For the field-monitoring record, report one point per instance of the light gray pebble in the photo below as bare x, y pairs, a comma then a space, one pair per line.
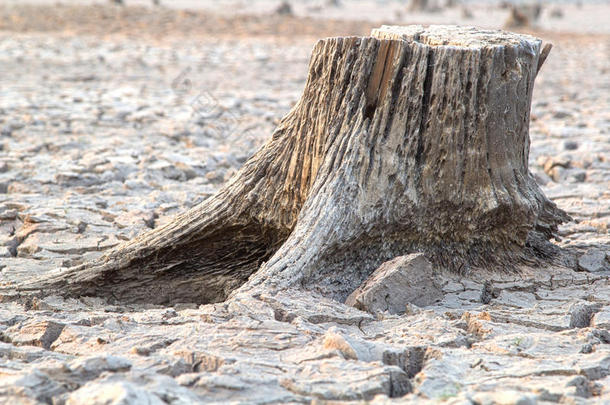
593, 260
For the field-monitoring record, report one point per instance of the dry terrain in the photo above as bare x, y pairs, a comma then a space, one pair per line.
114, 119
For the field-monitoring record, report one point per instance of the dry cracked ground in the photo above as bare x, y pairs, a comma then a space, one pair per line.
141, 115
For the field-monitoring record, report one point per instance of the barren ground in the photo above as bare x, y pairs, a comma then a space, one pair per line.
112, 120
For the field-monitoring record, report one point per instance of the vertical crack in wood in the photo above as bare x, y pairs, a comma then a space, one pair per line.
425, 109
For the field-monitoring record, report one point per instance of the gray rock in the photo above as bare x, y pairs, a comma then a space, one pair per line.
541, 176
27, 354
113, 393
73, 179
505, 397
518, 299
64, 243
548, 163
6, 131
581, 314
556, 12
36, 387
572, 175
593, 260
360, 381
404, 280
34, 333
134, 388
561, 114
88, 368
601, 320
284, 9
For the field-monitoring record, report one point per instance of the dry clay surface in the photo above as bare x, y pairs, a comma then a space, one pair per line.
105, 136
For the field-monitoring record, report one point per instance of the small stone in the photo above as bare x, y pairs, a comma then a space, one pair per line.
570, 145
135, 184
504, 397
396, 283
571, 175
593, 260
519, 299
549, 163
199, 361
188, 171
580, 315
74, 179
6, 131
34, 333
80, 228
556, 12
334, 341
284, 9
92, 367
8, 214
583, 387
215, 176
119, 393
5, 252
80, 340
173, 173
577, 176
540, 175
560, 114
586, 348
64, 243
149, 219
30, 388
27, 354
601, 320
487, 293
56, 303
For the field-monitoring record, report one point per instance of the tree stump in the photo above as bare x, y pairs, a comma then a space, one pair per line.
423, 6
523, 15
410, 140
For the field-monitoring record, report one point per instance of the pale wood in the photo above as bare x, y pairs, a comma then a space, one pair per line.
410, 140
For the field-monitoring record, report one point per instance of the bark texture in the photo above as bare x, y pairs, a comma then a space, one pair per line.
410, 140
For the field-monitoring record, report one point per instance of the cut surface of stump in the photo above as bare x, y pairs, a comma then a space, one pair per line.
410, 140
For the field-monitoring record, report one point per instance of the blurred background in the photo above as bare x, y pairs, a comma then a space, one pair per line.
559, 15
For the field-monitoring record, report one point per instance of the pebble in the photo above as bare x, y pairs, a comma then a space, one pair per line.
33, 333
581, 314
396, 284
120, 392
601, 319
593, 260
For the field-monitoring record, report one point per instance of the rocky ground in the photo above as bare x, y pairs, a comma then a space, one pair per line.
110, 132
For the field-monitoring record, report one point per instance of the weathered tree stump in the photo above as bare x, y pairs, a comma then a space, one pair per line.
410, 140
